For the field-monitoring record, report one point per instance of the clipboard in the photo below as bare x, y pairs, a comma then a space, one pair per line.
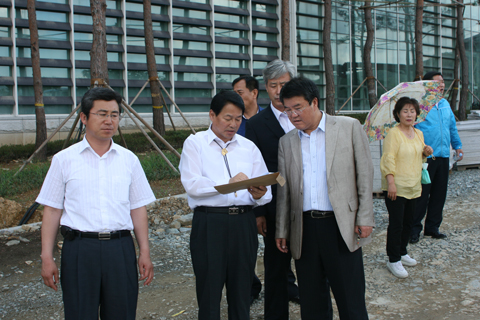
266, 180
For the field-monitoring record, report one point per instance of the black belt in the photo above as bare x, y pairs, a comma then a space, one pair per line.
318, 214
70, 234
226, 210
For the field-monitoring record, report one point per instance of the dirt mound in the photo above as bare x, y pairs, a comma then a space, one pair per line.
11, 213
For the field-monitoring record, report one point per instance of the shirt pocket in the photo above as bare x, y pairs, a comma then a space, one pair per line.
121, 188
245, 167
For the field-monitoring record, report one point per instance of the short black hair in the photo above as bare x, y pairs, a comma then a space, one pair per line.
430, 74
250, 82
99, 93
402, 102
300, 87
223, 98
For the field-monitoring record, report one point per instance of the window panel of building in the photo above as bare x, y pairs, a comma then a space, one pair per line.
264, 36
187, 76
239, 34
24, 33
87, 19
140, 41
261, 7
4, 51
188, 13
226, 77
142, 58
48, 91
263, 51
139, 24
191, 29
143, 75
230, 18
191, 45
49, 109
309, 36
232, 48
227, 63
138, 7
46, 72
43, 15
193, 93
231, 4
4, 12
25, 52
6, 90
5, 71
260, 65
4, 32
196, 1
191, 61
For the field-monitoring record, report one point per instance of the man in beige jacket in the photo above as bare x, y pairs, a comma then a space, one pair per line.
325, 208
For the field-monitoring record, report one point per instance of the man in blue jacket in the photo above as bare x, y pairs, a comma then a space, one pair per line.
439, 130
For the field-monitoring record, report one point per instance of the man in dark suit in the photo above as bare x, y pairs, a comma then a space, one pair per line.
265, 129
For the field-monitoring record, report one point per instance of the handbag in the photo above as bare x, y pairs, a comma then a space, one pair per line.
425, 174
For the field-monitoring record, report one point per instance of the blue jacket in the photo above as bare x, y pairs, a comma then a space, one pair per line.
440, 129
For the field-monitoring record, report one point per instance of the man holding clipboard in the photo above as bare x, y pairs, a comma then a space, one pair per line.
223, 242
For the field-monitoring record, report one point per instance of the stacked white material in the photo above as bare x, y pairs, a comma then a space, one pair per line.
376, 149
469, 132
474, 115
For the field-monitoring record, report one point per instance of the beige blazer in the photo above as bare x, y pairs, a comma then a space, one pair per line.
349, 180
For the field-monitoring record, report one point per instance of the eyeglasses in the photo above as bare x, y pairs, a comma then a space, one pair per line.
297, 111
104, 116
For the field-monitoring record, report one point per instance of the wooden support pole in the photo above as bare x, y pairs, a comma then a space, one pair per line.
178, 109
71, 131
336, 113
149, 139
48, 139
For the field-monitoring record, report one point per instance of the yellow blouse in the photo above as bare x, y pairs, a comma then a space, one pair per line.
402, 157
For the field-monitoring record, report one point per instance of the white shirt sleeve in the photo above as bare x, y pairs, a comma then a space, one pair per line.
52, 193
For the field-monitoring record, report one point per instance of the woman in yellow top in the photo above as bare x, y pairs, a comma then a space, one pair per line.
401, 167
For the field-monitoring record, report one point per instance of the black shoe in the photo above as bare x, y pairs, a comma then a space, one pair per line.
436, 235
295, 299
253, 298
415, 238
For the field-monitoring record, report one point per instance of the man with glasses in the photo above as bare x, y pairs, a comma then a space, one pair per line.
97, 191
325, 208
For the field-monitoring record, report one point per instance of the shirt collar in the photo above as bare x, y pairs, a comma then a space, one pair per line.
276, 112
321, 126
84, 144
211, 136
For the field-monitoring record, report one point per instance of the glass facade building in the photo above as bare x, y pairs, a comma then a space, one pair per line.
202, 45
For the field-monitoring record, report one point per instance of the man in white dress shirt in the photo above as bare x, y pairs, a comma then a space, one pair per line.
223, 242
97, 191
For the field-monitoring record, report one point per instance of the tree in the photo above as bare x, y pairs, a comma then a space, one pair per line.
41, 130
367, 60
327, 57
157, 101
285, 30
98, 54
462, 106
419, 40
454, 92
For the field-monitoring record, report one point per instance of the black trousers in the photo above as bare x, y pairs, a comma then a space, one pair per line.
400, 220
99, 274
278, 286
433, 197
224, 251
325, 259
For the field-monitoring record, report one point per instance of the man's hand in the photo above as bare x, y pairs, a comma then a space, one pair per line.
262, 226
282, 245
145, 267
459, 154
50, 273
257, 192
363, 231
239, 177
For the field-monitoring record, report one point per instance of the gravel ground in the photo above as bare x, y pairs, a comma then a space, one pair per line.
444, 285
